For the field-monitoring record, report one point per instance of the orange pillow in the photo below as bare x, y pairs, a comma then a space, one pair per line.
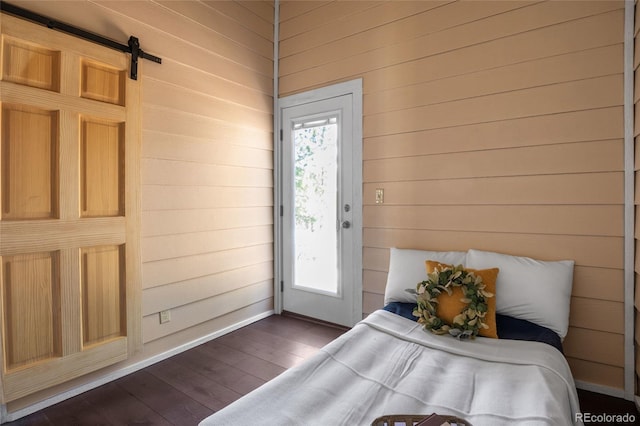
450, 306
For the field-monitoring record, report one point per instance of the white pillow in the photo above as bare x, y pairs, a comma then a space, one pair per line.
407, 269
530, 289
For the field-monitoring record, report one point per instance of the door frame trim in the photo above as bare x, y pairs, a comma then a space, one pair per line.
354, 88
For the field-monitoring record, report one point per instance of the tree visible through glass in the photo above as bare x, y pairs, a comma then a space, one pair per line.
315, 195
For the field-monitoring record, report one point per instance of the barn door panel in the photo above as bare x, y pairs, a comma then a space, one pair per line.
29, 163
31, 295
69, 217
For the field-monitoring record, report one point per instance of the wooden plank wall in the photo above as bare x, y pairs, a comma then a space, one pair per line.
207, 129
636, 133
490, 125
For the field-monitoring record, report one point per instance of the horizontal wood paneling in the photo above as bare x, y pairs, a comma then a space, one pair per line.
168, 222
447, 28
371, 302
162, 197
637, 335
374, 281
602, 347
637, 298
172, 172
192, 290
489, 125
205, 82
556, 69
579, 34
172, 270
587, 125
259, 21
262, 8
636, 100
595, 220
610, 316
375, 259
196, 150
193, 24
636, 131
591, 283
568, 38
438, 30
182, 245
228, 28
292, 8
314, 17
174, 122
637, 260
172, 96
603, 252
378, 15
589, 188
597, 373
588, 282
573, 96
637, 355
598, 156
598, 283
192, 314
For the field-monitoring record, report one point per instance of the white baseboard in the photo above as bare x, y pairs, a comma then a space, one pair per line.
114, 375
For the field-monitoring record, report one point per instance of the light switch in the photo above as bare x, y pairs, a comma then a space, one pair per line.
165, 316
379, 195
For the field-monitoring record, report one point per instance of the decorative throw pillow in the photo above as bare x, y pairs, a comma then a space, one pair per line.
450, 306
406, 269
529, 289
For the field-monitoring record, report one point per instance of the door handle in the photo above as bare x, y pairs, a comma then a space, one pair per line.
346, 224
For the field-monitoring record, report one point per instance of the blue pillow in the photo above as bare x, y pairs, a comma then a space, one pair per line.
508, 327
403, 309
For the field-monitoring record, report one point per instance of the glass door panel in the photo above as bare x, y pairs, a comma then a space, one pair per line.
316, 228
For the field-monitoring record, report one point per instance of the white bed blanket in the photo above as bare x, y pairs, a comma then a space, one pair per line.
388, 365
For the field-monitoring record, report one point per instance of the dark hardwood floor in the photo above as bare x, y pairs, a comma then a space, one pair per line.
595, 404
190, 386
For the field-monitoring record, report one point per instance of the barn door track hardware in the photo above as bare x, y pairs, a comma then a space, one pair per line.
132, 47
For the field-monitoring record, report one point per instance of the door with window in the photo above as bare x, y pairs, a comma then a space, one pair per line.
321, 210
69, 218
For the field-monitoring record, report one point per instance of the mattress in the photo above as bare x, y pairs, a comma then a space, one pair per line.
388, 364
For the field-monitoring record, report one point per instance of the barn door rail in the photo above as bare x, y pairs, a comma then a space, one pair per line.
133, 46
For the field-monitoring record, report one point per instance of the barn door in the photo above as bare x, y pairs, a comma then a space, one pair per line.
70, 274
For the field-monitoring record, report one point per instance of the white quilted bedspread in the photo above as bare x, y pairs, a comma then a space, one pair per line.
388, 365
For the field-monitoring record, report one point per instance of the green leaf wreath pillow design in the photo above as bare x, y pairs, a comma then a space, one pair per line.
457, 301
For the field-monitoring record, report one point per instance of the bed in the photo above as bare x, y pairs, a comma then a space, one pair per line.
387, 364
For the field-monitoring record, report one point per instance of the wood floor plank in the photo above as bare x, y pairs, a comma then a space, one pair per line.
122, 408
198, 387
262, 350
74, 411
282, 344
222, 373
305, 332
37, 419
161, 397
244, 362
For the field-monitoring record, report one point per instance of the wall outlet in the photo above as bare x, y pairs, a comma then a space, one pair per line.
379, 195
165, 316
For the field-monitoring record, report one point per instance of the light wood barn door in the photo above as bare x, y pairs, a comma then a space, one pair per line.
69, 218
